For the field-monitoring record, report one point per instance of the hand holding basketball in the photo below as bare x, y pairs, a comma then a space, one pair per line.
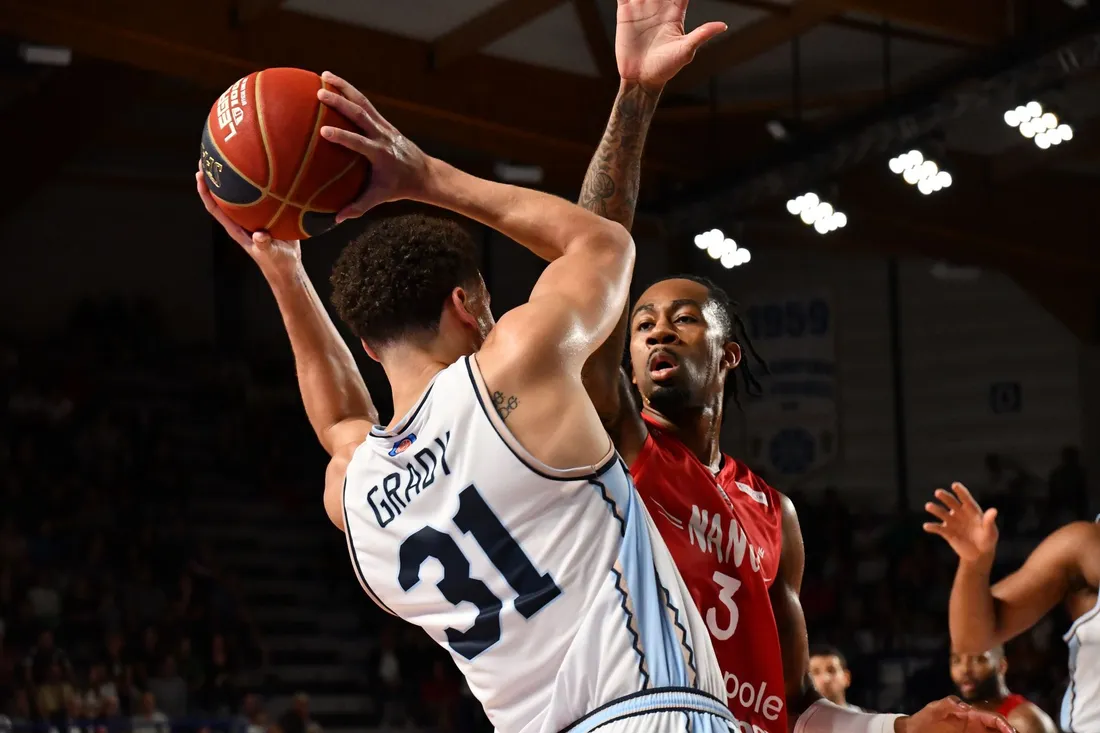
272, 255
971, 532
400, 168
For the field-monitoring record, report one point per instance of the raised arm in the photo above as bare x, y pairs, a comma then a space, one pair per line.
577, 300
336, 399
983, 616
650, 48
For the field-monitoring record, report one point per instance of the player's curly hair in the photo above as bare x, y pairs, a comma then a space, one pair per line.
734, 327
393, 279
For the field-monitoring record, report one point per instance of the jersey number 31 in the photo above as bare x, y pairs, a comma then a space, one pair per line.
534, 590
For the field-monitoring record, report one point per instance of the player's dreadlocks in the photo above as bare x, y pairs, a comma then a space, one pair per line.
735, 330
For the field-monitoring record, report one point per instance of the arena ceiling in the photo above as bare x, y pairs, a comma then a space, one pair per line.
531, 81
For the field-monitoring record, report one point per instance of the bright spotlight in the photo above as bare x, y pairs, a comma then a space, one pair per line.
1065, 132
944, 179
1049, 121
714, 249
1042, 140
794, 207
1012, 119
917, 169
1028, 129
819, 214
840, 220
1039, 125
1034, 109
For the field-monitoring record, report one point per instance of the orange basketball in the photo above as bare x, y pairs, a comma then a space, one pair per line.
266, 163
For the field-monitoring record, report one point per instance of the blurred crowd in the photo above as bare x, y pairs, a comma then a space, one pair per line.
115, 614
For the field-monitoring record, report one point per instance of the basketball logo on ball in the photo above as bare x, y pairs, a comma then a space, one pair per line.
264, 159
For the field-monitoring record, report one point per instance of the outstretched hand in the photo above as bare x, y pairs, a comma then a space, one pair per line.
650, 43
270, 254
951, 715
971, 532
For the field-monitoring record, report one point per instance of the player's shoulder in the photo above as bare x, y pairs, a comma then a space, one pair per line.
738, 476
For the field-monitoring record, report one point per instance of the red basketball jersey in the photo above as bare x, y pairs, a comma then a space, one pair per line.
725, 534
1010, 703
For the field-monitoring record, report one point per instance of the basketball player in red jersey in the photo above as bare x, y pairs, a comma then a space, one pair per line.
980, 679
735, 539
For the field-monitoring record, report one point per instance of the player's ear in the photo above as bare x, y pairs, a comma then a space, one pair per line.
731, 355
1002, 666
370, 352
463, 307
847, 678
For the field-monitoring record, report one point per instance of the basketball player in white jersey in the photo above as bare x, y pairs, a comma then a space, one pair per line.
492, 511
1064, 568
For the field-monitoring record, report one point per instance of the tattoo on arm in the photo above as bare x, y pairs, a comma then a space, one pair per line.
504, 405
610, 187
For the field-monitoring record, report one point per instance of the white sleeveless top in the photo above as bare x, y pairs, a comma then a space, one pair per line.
1081, 705
551, 589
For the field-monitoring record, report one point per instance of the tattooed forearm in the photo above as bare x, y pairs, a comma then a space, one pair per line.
610, 187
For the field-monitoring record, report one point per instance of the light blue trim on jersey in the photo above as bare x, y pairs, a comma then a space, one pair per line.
712, 715
1065, 721
662, 656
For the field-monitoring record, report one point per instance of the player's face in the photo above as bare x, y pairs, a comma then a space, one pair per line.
678, 353
830, 678
976, 675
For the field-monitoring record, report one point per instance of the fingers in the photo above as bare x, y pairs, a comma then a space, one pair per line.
352, 94
352, 141
948, 500
965, 496
937, 511
349, 109
238, 234
934, 528
989, 518
702, 34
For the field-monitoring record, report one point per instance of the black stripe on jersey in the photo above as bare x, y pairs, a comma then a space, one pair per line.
611, 460
380, 432
355, 556
680, 626
611, 505
620, 586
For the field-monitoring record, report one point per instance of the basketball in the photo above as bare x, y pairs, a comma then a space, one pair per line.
265, 161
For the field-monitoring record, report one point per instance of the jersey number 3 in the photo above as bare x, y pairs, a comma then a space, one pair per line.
534, 590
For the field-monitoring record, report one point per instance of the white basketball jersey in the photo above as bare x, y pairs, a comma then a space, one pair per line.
1081, 705
551, 589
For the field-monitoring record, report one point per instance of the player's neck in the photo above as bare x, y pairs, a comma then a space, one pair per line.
409, 370
698, 428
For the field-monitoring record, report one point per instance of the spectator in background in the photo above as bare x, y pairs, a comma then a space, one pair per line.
51, 696
169, 689
148, 718
829, 671
43, 657
297, 719
1068, 491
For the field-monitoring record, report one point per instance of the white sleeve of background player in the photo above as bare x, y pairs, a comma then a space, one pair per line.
825, 717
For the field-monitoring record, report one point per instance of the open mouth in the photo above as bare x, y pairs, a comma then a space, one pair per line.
662, 365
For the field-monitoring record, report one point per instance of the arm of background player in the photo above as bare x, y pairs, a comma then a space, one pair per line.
1029, 718
610, 189
336, 398
982, 616
790, 619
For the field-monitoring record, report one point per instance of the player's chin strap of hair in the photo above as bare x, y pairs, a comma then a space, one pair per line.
825, 717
